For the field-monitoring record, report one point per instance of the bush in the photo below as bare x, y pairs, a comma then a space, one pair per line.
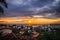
15, 30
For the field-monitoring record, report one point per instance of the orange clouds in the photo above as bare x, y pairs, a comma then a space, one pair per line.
26, 20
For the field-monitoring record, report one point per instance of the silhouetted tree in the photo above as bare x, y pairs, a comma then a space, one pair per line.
3, 3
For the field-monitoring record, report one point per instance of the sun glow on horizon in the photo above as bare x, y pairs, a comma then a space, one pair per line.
29, 21
26, 20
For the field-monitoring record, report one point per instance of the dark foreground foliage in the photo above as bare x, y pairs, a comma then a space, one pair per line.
3, 3
43, 35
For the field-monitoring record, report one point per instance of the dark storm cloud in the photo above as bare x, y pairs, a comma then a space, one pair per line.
47, 8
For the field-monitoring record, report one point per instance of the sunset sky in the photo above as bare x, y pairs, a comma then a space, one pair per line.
34, 11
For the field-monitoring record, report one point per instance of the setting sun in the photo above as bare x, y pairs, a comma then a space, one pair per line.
29, 21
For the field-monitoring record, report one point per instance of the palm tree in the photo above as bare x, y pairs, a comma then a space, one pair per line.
3, 3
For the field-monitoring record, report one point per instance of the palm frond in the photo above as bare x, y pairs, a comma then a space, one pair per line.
4, 3
1, 10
